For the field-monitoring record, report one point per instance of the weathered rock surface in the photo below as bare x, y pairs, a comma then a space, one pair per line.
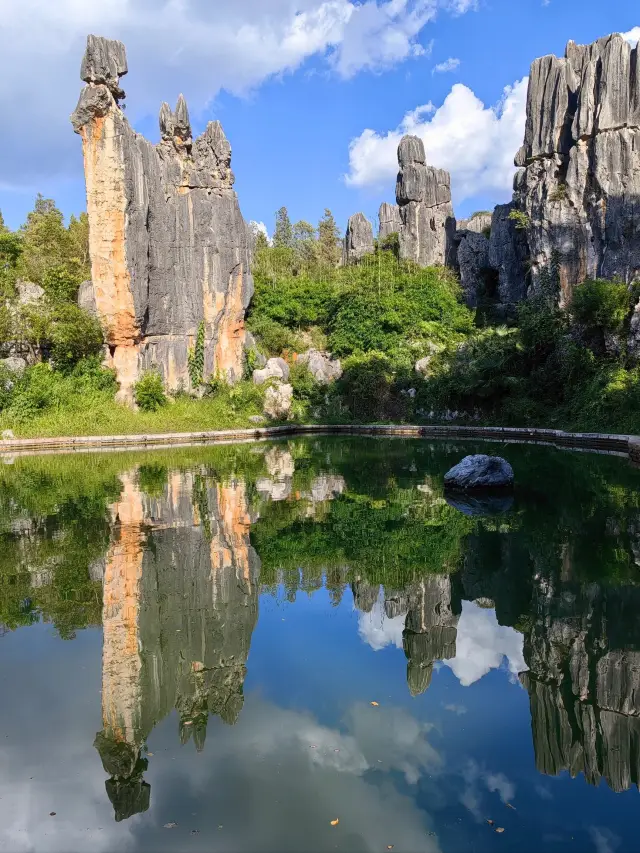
277, 401
508, 254
390, 221
29, 293
321, 366
169, 247
479, 472
473, 264
479, 223
581, 186
14, 364
426, 213
275, 368
358, 240
87, 298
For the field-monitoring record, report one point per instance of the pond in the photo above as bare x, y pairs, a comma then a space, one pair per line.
304, 645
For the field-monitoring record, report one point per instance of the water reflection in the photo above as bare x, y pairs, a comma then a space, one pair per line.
177, 557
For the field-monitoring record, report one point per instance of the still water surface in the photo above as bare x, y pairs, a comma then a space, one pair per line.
303, 646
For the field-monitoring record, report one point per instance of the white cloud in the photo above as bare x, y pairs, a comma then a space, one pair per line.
378, 631
474, 142
633, 35
260, 228
448, 65
482, 644
603, 839
194, 46
475, 778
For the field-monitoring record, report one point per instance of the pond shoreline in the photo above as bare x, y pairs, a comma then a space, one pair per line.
622, 445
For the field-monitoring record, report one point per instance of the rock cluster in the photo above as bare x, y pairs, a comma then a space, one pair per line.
321, 366
423, 194
170, 251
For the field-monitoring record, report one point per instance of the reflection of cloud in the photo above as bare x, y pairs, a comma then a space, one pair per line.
603, 839
482, 644
456, 709
543, 792
377, 630
475, 778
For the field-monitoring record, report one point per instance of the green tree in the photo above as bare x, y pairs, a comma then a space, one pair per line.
283, 234
329, 243
304, 240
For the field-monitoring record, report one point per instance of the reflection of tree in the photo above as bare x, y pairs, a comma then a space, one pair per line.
180, 605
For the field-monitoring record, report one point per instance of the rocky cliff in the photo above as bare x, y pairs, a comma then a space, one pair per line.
169, 247
358, 240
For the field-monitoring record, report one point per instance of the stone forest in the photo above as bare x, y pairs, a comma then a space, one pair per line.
527, 315
321, 542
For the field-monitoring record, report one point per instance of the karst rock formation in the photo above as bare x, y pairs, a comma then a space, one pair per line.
576, 201
170, 250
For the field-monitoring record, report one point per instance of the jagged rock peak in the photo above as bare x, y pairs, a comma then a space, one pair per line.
411, 151
594, 88
358, 240
104, 62
389, 219
175, 124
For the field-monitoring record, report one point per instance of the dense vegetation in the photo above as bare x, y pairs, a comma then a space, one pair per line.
548, 367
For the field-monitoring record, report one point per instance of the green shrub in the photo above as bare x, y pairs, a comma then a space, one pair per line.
601, 305
366, 385
149, 391
520, 220
74, 335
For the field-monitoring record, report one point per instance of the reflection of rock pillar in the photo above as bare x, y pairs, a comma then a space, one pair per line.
120, 741
430, 630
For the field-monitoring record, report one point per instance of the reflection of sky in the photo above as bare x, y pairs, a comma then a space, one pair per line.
308, 748
377, 630
482, 645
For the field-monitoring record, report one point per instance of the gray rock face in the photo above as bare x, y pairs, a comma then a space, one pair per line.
169, 247
473, 264
277, 401
426, 213
479, 472
479, 223
508, 253
389, 219
358, 241
275, 368
87, 298
321, 366
581, 186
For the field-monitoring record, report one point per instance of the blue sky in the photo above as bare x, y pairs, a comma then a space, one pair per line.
313, 94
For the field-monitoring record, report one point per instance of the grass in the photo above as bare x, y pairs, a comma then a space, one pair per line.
99, 414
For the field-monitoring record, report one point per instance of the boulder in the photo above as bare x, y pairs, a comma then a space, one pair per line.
29, 293
14, 364
7, 435
275, 368
479, 472
321, 366
277, 401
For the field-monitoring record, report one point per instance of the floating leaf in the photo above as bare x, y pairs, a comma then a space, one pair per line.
170, 825
390, 846
375, 704
490, 822
335, 822
150, 754
500, 829
52, 814
509, 806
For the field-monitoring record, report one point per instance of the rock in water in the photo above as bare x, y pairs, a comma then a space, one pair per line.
424, 197
358, 241
169, 248
479, 472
